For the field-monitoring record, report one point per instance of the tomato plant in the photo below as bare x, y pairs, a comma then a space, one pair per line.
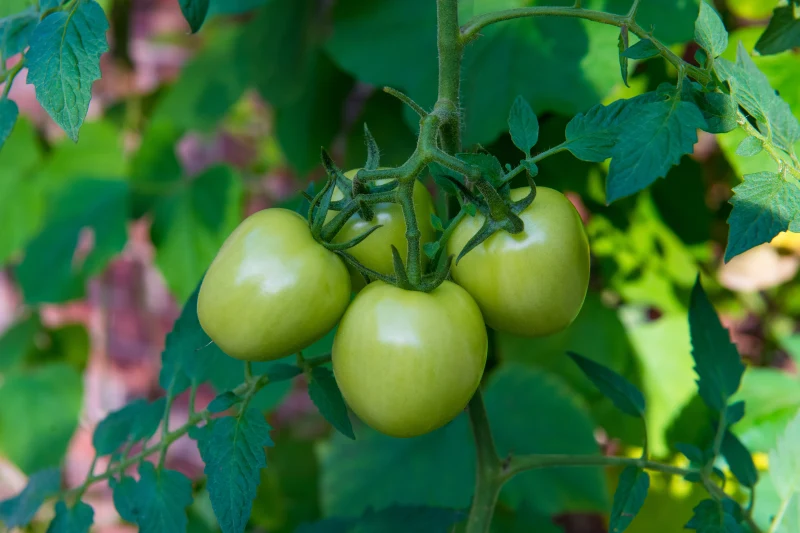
531, 283
408, 362
442, 266
271, 290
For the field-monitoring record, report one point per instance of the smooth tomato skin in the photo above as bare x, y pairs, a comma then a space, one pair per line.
532, 283
272, 289
408, 362
375, 251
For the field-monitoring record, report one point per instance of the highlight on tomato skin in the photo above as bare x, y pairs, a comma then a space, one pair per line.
408, 362
272, 289
375, 251
531, 283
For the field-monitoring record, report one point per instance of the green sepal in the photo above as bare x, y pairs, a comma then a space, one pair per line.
334, 247
401, 276
373, 152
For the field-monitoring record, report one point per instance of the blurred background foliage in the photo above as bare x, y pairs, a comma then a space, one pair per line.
102, 241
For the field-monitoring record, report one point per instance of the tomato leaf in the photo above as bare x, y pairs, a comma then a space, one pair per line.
644, 49
326, 396
782, 33
650, 145
489, 165
136, 421
523, 125
751, 89
711, 516
709, 31
784, 472
50, 272
64, 61
20, 510
233, 451
223, 402
624, 394
629, 498
739, 460
717, 362
15, 32
750, 146
764, 204
194, 11
8, 117
157, 502
76, 519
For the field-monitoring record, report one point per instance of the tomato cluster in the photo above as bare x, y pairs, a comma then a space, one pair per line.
407, 362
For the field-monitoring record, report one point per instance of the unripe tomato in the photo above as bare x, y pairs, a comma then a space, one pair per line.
375, 251
272, 289
531, 283
408, 362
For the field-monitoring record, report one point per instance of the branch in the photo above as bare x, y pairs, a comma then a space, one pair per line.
522, 463
471, 29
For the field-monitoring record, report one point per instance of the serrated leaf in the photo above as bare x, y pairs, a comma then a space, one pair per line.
784, 470
644, 49
629, 498
739, 460
233, 451
782, 33
650, 145
711, 516
64, 60
8, 117
709, 31
764, 204
719, 110
136, 421
223, 402
523, 125
20, 510
750, 146
157, 502
717, 362
625, 396
15, 32
751, 89
194, 11
76, 519
325, 394
592, 135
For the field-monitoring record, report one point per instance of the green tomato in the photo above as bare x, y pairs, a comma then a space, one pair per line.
272, 289
408, 362
375, 251
532, 283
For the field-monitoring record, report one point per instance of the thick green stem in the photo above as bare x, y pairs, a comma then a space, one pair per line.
450, 50
414, 258
472, 29
489, 477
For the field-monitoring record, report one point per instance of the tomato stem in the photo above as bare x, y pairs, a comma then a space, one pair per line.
489, 478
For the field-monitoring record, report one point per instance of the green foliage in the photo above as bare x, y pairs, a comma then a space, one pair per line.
784, 471
711, 516
76, 519
394, 519
45, 400
739, 460
49, 272
233, 451
625, 395
644, 49
20, 510
709, 31
136, 421
629, 498
717, 363
523, 125
783, 31
195, 12
15, 32
64, 61
8, 117
156, 502
326, 396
